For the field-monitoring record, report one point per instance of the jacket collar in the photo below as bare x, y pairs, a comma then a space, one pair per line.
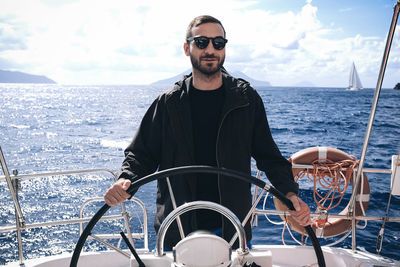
235, 89
235, 93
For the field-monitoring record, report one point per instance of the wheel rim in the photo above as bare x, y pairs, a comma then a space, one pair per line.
194, 169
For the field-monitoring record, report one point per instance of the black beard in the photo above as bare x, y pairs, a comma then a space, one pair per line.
207, 71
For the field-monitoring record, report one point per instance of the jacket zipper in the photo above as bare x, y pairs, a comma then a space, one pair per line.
216, 154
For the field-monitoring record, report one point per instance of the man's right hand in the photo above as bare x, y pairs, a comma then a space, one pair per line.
117, 192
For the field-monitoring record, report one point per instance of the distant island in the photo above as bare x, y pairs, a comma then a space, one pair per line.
238, 74
21, 77
397, 87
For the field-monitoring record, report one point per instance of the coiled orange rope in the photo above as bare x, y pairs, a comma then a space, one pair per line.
335, 177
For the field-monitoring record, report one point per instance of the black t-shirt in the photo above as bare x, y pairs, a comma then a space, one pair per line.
206, 106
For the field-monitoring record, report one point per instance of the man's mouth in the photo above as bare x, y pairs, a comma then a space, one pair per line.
209, 59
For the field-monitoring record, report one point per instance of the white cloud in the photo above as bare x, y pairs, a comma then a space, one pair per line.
128, 41
289, 48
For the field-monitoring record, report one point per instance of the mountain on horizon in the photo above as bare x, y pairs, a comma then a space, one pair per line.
238, 74
7, 76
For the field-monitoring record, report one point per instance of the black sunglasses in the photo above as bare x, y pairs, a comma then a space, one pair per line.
203, 41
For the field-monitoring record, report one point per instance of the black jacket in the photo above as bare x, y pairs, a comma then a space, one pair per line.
165, 140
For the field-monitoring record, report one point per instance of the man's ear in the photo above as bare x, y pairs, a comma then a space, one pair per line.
186, 48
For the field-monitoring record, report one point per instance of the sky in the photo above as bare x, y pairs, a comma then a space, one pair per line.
287, 43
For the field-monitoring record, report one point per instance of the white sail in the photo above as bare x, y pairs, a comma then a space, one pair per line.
354, 79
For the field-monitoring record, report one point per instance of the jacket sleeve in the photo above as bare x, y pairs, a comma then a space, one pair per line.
267, 155
142, 155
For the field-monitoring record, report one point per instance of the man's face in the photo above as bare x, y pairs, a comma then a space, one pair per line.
209, 60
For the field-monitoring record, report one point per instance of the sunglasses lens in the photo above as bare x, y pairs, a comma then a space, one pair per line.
202, 42
219, 43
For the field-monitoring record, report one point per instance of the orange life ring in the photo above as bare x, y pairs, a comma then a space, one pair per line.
332, 226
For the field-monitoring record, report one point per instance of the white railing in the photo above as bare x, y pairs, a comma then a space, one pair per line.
20, 225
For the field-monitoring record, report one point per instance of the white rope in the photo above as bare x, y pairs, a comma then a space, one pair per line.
360, 199
266, 215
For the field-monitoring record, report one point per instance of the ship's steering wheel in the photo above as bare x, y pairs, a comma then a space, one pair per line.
187, 170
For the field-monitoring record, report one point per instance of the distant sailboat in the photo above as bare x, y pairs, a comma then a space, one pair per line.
354, 80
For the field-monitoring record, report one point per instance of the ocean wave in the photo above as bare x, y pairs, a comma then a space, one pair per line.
114, 144
51, 135
20, 126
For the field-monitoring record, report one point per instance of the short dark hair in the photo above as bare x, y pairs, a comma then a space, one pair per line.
201, 20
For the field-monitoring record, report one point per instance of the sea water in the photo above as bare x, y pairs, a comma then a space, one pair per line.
50, 128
